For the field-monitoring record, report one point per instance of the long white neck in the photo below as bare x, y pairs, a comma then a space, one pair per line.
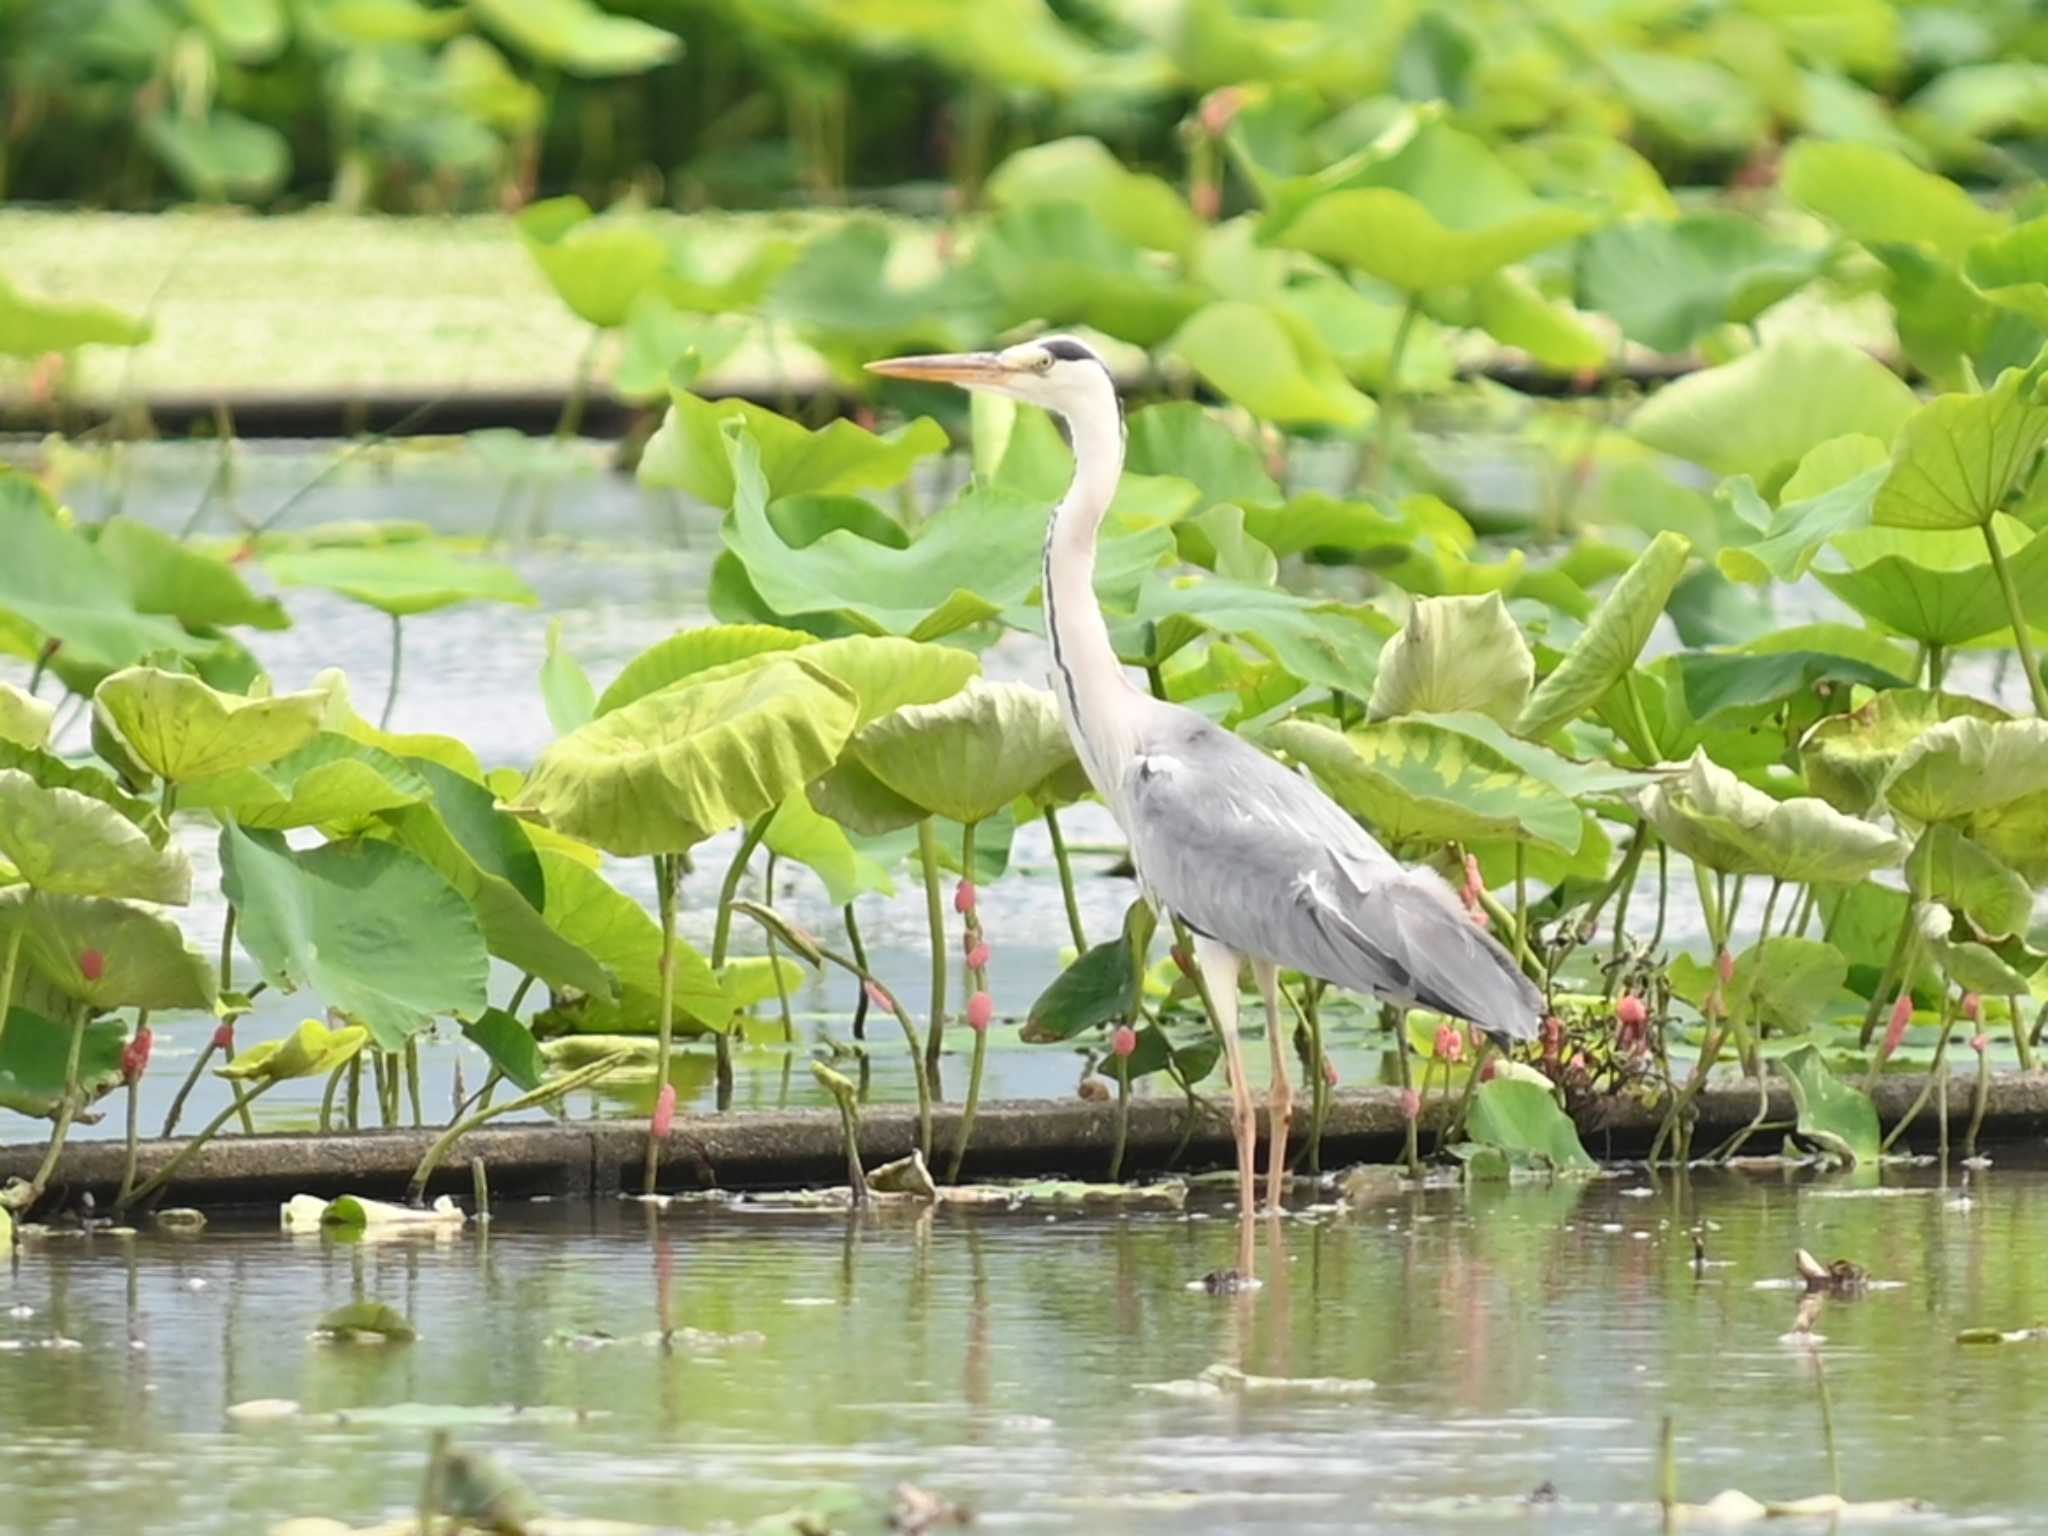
1095, 697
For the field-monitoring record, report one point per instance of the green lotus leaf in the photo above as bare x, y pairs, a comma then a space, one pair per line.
341, 717
1274, 365
368, 927
673, 768
1786, 983
35, 1056
510, 1045
1521, 1121
222, 156
884, 672
2012, 269
1142, 209
400, 580
61, 841
1947, 867
599, 266
166, 576
387, 21
1879, 197
587, 911
1670, 282
24, 718
332, 782
1977, 968
1325, 644
1508, 307
1761, 414
798, 833
1455, 653
180, 729
1938, 586
1965, 765
666, 346
366, 1322
710, 649
144, 961
967, 756
1717, 681
30, 327
1808, 515
1712, 817
690, 452
1831, 1113
1184, 439
487, 857
578, 37
1419, 783
855, 799
1847, 758
248, 31
54, 773
57, 583
1961, 456
311, 1050
565, 688
1057, 263
1612, 639
1102, 986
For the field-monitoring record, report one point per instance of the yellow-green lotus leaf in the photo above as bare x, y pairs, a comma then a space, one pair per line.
180, 729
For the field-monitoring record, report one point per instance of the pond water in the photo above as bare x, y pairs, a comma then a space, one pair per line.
1515, 1337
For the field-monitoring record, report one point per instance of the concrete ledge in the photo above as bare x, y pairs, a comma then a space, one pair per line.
786, 1149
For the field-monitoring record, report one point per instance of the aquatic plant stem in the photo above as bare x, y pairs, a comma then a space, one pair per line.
1623, 886
227, 985
1066, 869
861, 999
665, 895
1311, 1008
976, 980
935, 921
547, 1093
1456, 1124
1763, 928
1948, 1024
1123, 1119
397, 669
134, 1118
165, 1174
2022, 632
775, 962
571, 420
2020, 1043
729, 888
1390, 394
7, 968
1897, 971
1396, 1021
1978, 1104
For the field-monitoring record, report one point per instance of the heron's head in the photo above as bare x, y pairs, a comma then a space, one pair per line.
1056, 372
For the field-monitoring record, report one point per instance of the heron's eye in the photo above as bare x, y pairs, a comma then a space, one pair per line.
1043, 362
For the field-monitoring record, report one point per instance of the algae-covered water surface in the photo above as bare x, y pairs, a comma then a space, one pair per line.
1418, 1360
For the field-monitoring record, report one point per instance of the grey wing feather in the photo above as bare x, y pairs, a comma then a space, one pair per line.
1260, 859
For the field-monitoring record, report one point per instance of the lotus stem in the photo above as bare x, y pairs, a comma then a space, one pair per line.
165, 1174
1763, 928
976, 981
185, 1090
1978, 1104
935, 919
430, 1487
134, 1117
7, 968
1390, 394
860, 999
67, 1111
519, 993
1667, 1471
1896, 973
412, 1081
1948, 1024
1522, 900
2020, 1043
571, 419
775, 963
1123, 1119
480, 1188
397, 666
547, 1093
1623, 886
1311, 1008
334, 1080
1455, 1126
1937, 664
1650, 752
1396, 1021
355, 1092
729, 888
665, 893
1663, 893
1066, 868
2022, 632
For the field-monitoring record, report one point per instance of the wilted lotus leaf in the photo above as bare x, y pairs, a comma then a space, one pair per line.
678, 766
1712, 817
1453, 654
180, 729
967, 756
1612, 639
311, 1050
1967, 765
1422, 782
1846, 758
59, 840
107, 953
24, 719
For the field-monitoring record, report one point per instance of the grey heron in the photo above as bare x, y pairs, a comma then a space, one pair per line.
1254, 858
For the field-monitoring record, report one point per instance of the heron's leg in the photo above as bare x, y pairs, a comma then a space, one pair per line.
1280, 1092
1219, 965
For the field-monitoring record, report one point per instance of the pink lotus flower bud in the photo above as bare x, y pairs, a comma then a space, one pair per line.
1207, 200
1183, 961
977, 957
981, 1008
1980, 1043
224, 1037
1491, 1070
1725, 964
1902, 1015
664, 1110
1411, 1103
1973, 1007
135, 1055
1553, 1039
963, 898
1631, 1012
1220, 109
92, 965
1450, 1044
1330, 1071
879, 995
1714, 1005
1125, 1041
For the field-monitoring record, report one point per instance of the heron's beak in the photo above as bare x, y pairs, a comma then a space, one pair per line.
968, 369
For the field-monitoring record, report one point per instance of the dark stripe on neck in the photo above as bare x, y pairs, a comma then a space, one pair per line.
1052, 629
